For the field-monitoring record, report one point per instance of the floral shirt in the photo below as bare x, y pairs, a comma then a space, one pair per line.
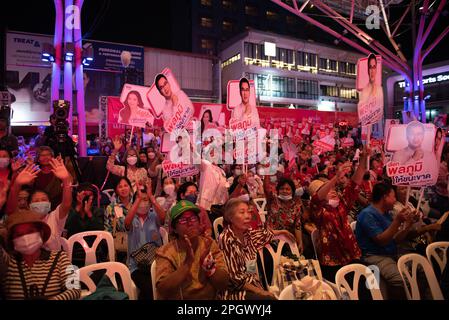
337, 242
284, 215
116, 210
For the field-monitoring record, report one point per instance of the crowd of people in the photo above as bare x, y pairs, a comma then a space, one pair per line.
42, 200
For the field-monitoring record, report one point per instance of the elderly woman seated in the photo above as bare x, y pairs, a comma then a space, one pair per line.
240, 245
191, 266
29, 271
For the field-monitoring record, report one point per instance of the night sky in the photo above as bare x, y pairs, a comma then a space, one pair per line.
135, 22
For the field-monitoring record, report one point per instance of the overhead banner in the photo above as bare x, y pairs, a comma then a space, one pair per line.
416, 152
107, 56
28, 78
369, 84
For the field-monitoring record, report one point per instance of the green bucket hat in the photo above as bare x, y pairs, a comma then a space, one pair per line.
181, 207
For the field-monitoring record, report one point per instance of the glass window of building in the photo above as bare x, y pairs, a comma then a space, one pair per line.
262, 85
206, 3
323, 63
251, 11
307, 59
207, 22
272, 15
328, 91
228, 26
227, 4
307, 89
333, 65
207, 43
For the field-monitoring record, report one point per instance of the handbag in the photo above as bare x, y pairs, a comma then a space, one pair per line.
120, 237
145, 255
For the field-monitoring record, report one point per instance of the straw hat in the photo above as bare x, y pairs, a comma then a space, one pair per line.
28, 216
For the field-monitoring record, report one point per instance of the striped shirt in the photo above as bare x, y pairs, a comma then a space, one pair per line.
238, 255
36, 276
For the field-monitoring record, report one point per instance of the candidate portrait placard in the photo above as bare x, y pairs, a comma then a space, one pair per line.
134, 102
242, 103
369, 85
169, 102
414, 161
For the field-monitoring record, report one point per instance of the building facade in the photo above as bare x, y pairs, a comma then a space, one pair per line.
296, 73
436, 91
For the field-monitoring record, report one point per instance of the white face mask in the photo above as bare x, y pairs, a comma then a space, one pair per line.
28, 243
299, 192
334, 203
4, 163
273, 179
285, 198
131, 160
244, 197
169, 189
237, 172
43, 207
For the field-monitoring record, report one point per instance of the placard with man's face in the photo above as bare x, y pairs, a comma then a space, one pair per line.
169, 102
369, 86
415, 160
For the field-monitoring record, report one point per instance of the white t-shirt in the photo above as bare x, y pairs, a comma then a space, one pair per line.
57, 226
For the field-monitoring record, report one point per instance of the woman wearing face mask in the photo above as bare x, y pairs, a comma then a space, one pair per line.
30, 271
168, 195
142, 223
329, 213
40, 201
239, 190
240, 244
131, 168
284, 209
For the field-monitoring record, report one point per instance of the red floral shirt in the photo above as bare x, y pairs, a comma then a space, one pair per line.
284, 215
337, 242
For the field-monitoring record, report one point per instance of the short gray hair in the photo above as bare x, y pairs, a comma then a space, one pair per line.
230, 207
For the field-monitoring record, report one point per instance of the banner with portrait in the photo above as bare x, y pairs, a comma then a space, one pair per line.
136, 108
169, 102
369, 85
415, 149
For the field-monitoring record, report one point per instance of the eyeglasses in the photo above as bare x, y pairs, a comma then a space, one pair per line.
190, 219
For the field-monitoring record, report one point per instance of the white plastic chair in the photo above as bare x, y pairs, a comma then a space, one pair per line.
433, 253
353, 291
261, 204
153, 280
90, 251
164, 235
412, 278
287, 293
112, 268
353, 225
217, 222
315, 242
110, 193
64, 244
276, 257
